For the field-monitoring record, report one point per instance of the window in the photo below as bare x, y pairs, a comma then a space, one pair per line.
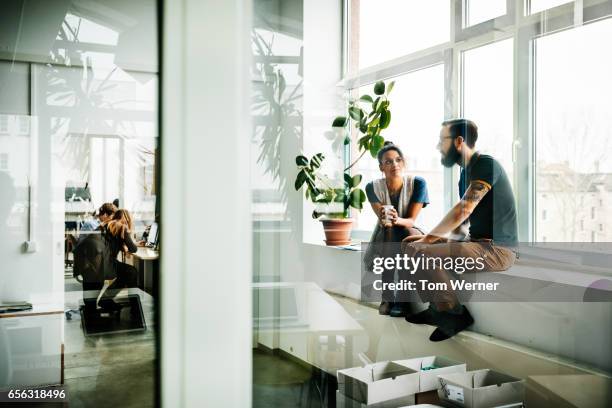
487, 77
535, 6
388, 29
539, 100
573, 150
417, 104
477, 11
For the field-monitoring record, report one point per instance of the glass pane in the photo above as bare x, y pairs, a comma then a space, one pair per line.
540, 5
483, 10
417, 107
78, 128
574, 150
389, 29
488, 98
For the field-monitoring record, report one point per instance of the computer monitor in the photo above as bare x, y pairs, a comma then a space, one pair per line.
152, 237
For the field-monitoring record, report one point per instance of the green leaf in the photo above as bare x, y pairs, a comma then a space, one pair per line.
357, 198
390, 87
356, 180
379, 88
375, 106
301, 160
378, 141
375, 121
373, 151
355, 113
348, 180
385, 119
316, 160
339, 198
300, 180
366, 98
347, 140
363, 128
339, 121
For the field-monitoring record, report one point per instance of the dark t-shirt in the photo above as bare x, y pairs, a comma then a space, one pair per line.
495, 215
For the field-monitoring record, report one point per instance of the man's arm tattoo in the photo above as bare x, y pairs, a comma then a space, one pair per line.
475, 192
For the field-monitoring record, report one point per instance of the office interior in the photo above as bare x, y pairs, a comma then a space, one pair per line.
191, 115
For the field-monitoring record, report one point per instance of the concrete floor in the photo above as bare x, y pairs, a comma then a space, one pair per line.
108, 370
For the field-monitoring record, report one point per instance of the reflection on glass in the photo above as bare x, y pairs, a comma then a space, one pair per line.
389, 29
483, 10
78, 114
574, 150
488, 98
417, 107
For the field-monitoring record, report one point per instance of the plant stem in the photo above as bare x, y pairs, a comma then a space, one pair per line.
356, 160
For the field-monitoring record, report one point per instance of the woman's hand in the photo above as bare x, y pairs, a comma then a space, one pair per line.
392, 216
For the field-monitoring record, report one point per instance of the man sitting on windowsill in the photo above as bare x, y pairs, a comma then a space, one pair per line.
487, 202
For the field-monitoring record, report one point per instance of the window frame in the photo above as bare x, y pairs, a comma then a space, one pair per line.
525, 28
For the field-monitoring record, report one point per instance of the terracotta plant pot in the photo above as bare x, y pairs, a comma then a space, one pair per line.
337, 231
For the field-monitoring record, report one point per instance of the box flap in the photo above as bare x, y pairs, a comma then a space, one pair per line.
461, 379
491, 378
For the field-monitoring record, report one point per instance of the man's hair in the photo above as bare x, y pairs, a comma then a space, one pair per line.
464, 128
107, 209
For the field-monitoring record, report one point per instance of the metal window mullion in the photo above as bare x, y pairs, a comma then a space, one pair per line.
452, 83
524, 131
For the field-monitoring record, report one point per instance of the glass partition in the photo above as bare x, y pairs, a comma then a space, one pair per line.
78, 149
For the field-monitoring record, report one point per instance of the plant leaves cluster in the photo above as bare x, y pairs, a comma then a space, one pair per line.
369, 115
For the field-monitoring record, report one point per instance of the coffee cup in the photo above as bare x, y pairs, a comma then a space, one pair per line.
387, 215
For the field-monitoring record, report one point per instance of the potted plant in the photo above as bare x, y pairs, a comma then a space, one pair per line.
370, 115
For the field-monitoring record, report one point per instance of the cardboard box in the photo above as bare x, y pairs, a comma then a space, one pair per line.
342, 401
378, 382
481, 389
430, 367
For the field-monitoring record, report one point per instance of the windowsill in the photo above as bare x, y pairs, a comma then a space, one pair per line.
355, 246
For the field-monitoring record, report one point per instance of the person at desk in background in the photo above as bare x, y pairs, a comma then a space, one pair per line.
487, 202
105, 213
118, 237
397, 200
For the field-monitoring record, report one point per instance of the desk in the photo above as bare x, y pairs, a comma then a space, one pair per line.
31, 346
147, 256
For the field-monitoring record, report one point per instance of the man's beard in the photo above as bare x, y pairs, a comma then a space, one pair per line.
451, 157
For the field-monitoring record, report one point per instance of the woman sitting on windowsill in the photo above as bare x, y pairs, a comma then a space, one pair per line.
407, 195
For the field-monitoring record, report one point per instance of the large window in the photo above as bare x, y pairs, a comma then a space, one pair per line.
536, 88
488, 98
478, 11
388, 29
574, 150
417, 104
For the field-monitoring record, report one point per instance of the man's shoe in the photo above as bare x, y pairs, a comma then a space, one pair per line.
398, 310
450, 324
384, 308
424, 317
